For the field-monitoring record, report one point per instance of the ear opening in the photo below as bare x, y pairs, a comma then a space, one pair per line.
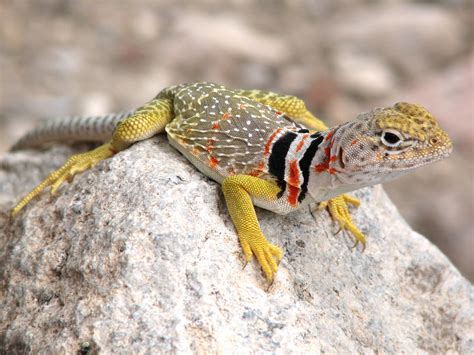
340, 158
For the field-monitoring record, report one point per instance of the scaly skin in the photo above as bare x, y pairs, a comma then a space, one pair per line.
256, 145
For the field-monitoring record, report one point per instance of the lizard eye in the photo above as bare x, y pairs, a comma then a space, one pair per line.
391, 138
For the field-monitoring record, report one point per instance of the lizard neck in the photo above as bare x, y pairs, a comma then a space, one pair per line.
308, 164
292, 158
327, 167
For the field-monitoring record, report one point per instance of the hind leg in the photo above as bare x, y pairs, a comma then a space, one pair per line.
147, 121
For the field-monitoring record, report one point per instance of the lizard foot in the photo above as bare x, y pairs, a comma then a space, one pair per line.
74, 165
339, 210
268, 255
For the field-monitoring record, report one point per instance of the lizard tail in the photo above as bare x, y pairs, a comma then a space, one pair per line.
72, 129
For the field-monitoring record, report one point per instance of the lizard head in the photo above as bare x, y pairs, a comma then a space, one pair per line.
383, 143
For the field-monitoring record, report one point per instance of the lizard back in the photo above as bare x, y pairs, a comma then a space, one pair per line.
223, 133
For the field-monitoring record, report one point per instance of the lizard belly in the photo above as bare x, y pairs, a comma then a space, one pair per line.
279, 206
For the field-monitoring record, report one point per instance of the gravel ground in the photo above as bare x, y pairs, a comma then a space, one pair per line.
342, 57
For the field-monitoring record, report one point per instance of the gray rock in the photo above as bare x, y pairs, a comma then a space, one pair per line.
139, 255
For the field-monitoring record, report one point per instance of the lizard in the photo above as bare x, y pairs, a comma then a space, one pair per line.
265, 149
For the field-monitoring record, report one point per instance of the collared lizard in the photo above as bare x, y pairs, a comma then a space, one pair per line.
265, 149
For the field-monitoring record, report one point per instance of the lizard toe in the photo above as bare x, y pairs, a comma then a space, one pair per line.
267, 254
74, 165
339, 212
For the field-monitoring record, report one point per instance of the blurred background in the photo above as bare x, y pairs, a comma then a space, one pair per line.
63, 57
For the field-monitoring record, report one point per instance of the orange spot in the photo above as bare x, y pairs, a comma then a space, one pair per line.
329, 136
210, 145
270, 141
294, 174
301, 142
293, 193
278, 113
293, 183
215, 125
327, 151
354, 142
213, 162
226, 116
258, 171
324, 166
321, 167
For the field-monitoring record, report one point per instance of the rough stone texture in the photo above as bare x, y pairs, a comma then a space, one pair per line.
139, 255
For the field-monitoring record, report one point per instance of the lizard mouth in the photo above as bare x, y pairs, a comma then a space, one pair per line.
385, 165
426, 158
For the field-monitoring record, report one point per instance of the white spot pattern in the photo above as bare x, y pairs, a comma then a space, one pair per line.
231, 144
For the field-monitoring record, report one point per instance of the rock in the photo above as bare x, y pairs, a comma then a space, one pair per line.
139, 255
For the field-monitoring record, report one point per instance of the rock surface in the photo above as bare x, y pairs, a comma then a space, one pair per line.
139, 255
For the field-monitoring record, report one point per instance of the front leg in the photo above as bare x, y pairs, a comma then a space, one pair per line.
238, 190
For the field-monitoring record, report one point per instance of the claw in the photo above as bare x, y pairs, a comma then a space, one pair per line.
340, 213
356, 243
360, 238
270, 284
267, 254
323, 205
